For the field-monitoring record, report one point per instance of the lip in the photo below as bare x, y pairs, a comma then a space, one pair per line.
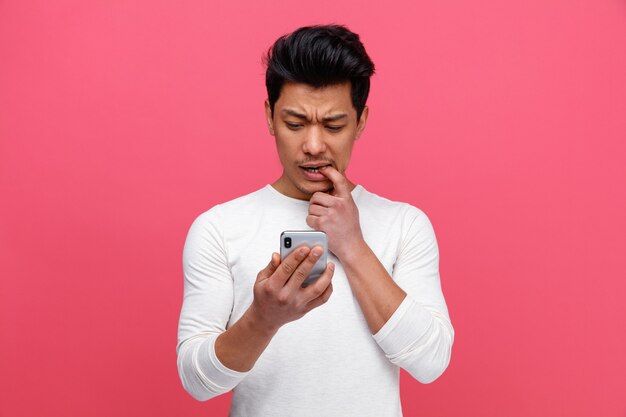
315, 164
313, 176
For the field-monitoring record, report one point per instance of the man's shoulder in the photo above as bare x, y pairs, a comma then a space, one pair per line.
245, 200
378, 203
234, 208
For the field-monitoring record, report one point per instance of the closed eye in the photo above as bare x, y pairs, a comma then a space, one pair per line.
293, 126
334, 128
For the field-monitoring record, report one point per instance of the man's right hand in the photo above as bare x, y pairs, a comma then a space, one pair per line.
278, 295
278, 299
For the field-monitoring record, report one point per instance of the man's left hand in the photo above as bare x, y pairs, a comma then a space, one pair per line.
336, 214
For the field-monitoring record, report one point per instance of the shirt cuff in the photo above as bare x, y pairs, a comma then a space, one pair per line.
214, 370
405, 326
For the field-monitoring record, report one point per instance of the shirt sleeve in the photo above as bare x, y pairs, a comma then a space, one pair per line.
207, 305
418, 337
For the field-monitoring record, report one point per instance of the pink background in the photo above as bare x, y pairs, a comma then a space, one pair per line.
121, 121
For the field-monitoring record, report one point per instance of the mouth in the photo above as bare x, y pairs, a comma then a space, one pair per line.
314, 168
312, 172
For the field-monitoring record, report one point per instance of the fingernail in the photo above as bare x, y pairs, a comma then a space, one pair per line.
317, 253
301, 253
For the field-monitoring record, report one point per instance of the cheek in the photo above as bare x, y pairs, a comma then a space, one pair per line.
342, 154
287, 150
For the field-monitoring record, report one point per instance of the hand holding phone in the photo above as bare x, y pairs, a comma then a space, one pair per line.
292, 239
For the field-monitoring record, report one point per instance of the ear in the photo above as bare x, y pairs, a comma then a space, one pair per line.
269, 118
362, 122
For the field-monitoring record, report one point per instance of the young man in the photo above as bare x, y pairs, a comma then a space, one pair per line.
333, 348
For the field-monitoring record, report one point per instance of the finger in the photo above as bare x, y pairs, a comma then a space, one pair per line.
322, 199
313, 222
322, 299
288, 266
317, 210
315, 290
340, 182
303, 270
270, 268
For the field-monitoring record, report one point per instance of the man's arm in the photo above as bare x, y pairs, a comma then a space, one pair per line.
407, 313
376, 292
413, 327
211, 359
278, 299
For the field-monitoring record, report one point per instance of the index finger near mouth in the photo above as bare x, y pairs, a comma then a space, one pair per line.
340, 184
289, 264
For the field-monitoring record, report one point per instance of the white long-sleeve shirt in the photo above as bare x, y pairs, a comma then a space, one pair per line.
326, 363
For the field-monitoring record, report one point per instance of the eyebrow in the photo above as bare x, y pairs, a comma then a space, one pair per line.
332, 118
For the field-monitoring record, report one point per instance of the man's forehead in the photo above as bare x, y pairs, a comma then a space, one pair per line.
329, 116
330, 101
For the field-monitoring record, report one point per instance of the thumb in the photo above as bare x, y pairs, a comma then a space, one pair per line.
270, 268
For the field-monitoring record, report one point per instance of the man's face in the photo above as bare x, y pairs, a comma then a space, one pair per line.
313, 127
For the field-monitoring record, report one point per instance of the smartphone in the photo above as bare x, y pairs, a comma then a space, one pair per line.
292, 239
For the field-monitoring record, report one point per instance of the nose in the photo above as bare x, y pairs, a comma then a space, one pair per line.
314, 141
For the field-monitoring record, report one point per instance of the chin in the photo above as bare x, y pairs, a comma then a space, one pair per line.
311, 188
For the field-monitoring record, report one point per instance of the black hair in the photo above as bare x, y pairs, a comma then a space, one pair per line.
319, 56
